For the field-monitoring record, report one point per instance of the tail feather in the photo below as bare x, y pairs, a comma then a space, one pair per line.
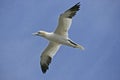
75, 45
80, 47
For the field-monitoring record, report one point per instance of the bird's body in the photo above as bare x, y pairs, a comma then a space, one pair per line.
58, 37
55, 38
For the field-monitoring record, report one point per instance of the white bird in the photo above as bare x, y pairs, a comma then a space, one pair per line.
60, 36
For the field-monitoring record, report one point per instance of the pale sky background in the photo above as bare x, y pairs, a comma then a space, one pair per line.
96, 26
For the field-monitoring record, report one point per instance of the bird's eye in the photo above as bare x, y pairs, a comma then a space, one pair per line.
38, 32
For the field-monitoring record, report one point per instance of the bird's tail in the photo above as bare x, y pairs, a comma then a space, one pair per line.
80, 47
75, 45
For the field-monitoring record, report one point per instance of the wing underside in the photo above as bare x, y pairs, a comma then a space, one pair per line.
65, 20
47, 55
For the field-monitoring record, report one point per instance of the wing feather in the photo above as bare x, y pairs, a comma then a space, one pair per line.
48, 54
65, 20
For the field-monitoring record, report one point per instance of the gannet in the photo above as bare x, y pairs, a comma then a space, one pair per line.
58, 37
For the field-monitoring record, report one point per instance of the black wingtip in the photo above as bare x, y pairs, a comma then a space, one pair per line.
78, 4
45, 65
73, 10
76, 7
44, 68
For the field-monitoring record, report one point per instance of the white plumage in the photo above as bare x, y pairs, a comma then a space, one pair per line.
60, 36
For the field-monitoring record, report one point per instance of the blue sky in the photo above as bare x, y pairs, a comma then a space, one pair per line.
96, 26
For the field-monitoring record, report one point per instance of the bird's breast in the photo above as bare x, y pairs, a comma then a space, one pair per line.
57, 38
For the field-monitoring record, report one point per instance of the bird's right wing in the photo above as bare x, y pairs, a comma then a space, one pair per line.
48, 54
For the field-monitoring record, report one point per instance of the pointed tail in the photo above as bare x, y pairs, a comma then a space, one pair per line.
75, 45
80, 47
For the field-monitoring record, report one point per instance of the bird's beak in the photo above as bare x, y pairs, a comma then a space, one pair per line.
35, 34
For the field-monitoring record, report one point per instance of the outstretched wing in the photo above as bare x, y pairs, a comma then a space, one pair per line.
65, 20
47, 55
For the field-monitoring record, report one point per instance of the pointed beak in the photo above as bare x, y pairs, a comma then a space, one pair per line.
35, 34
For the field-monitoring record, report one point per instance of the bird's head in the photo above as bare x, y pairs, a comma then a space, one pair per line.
40, 33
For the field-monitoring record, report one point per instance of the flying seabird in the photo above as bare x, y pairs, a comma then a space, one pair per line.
58, 37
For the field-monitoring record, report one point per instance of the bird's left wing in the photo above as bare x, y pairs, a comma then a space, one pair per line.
65, 20
48, 54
